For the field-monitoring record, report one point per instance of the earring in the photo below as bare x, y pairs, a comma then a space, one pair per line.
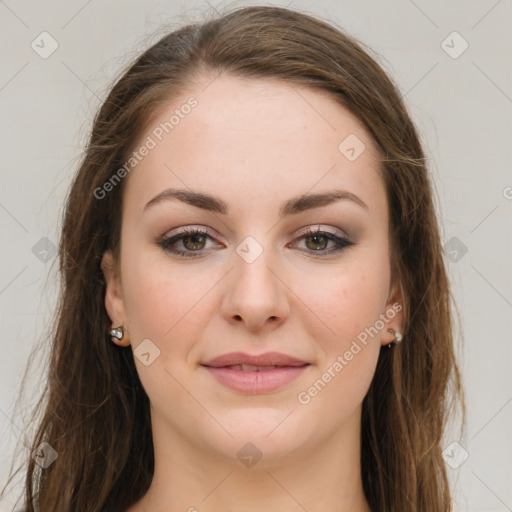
117, 332
398, 338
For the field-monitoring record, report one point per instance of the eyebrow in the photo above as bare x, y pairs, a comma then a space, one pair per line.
292, 206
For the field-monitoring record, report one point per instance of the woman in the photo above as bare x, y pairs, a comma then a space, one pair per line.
255, 312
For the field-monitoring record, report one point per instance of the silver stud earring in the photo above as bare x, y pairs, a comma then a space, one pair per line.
398, 338
117, 332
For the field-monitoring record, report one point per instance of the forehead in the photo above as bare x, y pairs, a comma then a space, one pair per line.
256, 136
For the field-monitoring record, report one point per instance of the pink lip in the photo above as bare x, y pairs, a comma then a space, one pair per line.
256, 381
266, 359
287, 369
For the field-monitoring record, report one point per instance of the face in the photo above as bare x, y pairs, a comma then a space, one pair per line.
254, 268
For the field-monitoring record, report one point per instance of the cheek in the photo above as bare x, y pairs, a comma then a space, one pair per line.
357, 297
168, 302
147, 289
348, 298
160, 299
166, 305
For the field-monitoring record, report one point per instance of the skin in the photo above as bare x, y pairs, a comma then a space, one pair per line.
254, 144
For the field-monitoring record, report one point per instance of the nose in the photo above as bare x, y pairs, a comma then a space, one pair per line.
255, 295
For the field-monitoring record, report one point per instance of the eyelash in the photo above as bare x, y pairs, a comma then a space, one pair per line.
166, 242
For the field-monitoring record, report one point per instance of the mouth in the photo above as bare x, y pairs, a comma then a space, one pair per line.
255, 379
268, 359
254, 368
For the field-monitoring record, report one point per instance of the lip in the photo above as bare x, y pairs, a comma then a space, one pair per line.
266, 359
255, 382
287, 369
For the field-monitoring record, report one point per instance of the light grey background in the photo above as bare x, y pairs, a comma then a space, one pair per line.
462, 107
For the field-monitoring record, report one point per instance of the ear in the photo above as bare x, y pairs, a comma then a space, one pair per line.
114, 301
394, 313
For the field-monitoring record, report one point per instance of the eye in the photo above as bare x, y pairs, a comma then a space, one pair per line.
317, 242
193, 242
190, 242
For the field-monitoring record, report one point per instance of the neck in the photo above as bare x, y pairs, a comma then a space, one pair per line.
318, 477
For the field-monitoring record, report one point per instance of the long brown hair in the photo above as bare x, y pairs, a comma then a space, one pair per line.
94, 411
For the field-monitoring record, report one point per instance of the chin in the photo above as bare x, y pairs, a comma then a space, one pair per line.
264, 437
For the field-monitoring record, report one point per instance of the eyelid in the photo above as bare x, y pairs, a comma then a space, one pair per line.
212, 233
191, 227
324, 229
333, 234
